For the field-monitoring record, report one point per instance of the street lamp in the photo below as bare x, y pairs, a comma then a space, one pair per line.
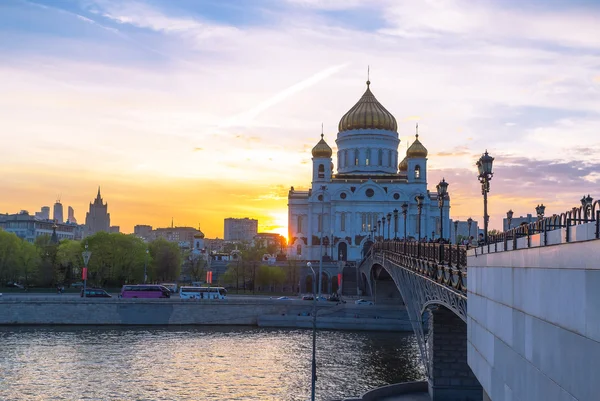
395, 224
404, 213
323, 189
456, 232
86, 258
442, 190
314, 336
378, 229
419, 199
469, 224
539, 209
383, 225
509, 216
586, 202
484, 166
146, 266
389, 220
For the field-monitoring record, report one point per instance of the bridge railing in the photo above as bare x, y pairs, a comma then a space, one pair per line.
444, 263
588, 213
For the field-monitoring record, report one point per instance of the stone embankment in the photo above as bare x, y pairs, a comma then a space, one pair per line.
256, 312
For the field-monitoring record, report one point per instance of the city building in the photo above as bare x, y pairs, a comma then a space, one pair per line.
58, 212
243, 230
98, 218
343, 212
175, 234
29, 227
462, 230
71, 215
114, 229
517, 221
44, 214
265, 240
142, 231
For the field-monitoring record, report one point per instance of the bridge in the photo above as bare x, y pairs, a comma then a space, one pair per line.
517, 318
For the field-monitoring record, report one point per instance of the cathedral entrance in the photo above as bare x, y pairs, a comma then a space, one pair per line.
343, 251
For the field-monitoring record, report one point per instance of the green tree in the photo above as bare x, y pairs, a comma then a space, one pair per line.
29, 261
9, 255
166, 260
270, 277
69, 260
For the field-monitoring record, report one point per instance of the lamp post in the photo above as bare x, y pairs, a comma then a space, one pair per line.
586, 202
323, 189
484, 165
314, 335
378, 229
509, 216
383, 226
419, 199
389, 220
146, 266
456, 232
469, 224
404, 213
540, 209
442, 190
86, 258
331, 244
395, 224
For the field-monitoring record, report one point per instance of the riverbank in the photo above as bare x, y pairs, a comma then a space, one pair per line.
250, 312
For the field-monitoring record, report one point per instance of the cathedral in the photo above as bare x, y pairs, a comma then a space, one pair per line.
343, 212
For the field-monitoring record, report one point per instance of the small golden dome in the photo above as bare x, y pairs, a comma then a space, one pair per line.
321, 149
403, 166
199, 235
368, 113
416, 150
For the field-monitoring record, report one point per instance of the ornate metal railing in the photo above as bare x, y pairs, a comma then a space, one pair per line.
443, 263
584, 214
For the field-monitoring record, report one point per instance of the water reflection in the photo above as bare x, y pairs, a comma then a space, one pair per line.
208, 363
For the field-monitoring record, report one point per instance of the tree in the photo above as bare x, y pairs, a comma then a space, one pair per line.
29, 261
9, 254
166, 260
69, 260
270, 276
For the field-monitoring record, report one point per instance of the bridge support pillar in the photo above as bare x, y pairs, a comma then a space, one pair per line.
451, 377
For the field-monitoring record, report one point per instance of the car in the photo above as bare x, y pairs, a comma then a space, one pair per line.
308, 298
95, 293
333, 298
363, 302
15, 285
282, 299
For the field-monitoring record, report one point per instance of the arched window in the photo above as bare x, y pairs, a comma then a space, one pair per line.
320, 223
343, 222
390, 159
356, 157
321, 171
299, 224
380, 157
347, 163
417, 172
368, 159
299, 250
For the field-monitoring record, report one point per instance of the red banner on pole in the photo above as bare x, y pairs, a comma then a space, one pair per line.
84, 273
209, 277
339, 280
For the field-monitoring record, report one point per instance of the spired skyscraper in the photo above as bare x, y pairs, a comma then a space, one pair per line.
341, 215
98, 218
58, 212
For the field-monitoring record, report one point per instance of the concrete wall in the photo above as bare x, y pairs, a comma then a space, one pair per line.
266, 313
534, 318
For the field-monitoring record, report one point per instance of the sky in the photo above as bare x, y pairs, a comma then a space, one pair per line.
198, 110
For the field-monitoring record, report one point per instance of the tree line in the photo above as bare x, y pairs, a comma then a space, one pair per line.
116, 259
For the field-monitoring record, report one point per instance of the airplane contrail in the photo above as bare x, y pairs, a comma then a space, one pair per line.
247, 116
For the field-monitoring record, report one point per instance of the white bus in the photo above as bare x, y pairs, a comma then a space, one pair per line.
202, 293
171, 286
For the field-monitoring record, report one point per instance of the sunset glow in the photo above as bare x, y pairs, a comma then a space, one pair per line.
200, 111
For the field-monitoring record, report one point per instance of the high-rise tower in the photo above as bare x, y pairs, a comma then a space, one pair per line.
98, 218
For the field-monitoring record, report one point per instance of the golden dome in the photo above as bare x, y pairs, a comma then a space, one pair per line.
368, 113
416, 150
321, 149
199, 235
403, 166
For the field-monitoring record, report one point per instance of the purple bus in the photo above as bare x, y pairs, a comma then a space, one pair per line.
145, 291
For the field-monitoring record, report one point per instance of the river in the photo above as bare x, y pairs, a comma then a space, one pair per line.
207, 363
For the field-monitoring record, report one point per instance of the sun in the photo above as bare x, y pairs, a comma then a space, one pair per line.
280, 223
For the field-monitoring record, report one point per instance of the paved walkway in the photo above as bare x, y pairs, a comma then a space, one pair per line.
408, 397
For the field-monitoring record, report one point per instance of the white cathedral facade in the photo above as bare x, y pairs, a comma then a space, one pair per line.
342, 213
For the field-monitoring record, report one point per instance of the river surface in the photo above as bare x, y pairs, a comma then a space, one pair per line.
208, 363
